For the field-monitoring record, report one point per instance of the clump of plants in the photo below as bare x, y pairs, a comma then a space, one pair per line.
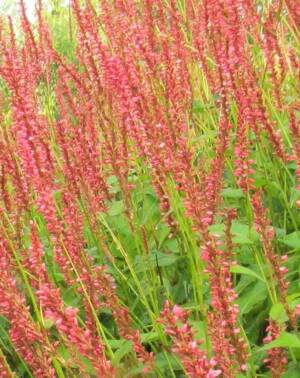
150, 189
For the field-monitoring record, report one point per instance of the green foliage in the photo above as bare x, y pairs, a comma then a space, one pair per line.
154, 255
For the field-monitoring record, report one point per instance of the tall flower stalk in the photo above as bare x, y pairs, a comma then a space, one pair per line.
118, 163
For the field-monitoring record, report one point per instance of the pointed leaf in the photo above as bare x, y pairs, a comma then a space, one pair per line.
284, 340
243, 270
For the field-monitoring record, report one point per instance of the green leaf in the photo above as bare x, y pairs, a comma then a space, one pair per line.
252, 297
280, 232
171, 245
124, 349
150, 336
295, 195
241, 239
232, 193
243, 234
164, 259
115, 343
260, 182
244, 282
4, 322
292, 165
112, 180
58, 277
150, 209
278, 313
217, 228
113, 183
162, 232
292, 240
156, 258
199, 327
163, 360
243, 270
70, 297
63, 352
284, 340
88, 365
119, 225
241, 229
116, 208
197, 107
292, 372
48, 323
292, 297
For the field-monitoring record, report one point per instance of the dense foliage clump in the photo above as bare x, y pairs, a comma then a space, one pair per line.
150, 189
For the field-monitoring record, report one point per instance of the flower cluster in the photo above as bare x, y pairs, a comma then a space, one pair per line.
148, 82
276, 359
195, 362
